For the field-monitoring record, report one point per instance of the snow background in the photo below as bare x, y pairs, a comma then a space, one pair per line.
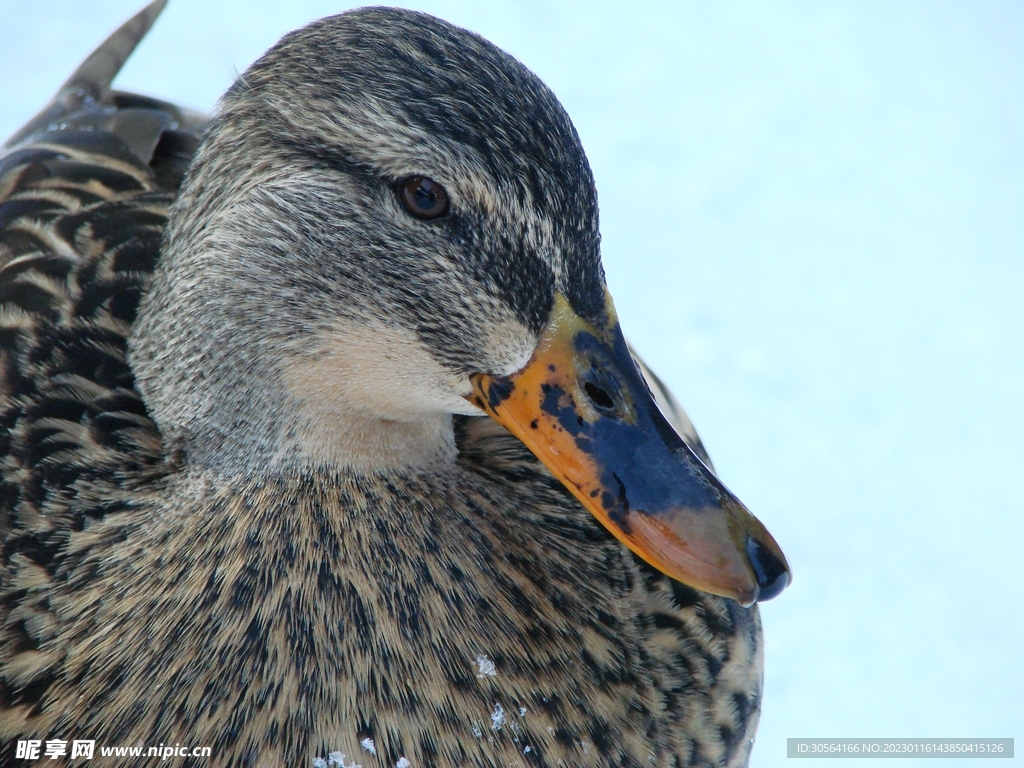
813, 229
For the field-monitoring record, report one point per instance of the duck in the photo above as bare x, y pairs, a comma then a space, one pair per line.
322, 443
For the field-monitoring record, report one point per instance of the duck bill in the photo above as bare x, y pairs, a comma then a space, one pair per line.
582, 407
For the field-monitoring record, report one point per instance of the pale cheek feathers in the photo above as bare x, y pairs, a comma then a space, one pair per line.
372, 395
371, 371
387, 372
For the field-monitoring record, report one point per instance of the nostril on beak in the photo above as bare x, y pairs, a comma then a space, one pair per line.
599, 397
772, 574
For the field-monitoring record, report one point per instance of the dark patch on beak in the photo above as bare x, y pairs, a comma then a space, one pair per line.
582, 406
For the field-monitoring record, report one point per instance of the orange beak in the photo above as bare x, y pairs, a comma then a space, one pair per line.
582, 407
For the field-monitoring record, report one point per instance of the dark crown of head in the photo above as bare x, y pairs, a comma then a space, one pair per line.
450, 83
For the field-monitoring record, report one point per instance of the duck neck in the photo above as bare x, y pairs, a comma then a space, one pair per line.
344, 442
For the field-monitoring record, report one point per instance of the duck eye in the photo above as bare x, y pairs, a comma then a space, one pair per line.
423, 198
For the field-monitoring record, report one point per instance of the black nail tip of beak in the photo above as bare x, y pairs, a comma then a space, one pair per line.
772, 575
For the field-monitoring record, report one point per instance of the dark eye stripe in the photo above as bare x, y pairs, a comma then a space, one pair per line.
423, 198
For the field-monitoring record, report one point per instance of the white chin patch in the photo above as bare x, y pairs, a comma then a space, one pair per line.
372, 395
372, 371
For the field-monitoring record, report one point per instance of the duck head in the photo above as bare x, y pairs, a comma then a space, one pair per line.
391, 221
